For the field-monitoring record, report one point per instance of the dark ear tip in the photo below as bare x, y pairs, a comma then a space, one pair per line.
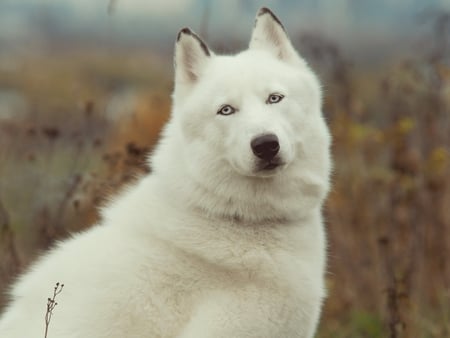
185, 30
264, 11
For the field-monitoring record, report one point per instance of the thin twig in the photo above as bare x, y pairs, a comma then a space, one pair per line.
51, 304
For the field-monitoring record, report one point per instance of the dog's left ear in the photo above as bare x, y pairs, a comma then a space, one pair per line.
269, 34
191, 55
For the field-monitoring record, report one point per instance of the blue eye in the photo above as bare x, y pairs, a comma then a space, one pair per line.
226, 110
274, 98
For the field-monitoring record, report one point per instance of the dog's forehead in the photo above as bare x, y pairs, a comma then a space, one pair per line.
256, 67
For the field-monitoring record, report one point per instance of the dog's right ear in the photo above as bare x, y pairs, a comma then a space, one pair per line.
270, 35
191, 55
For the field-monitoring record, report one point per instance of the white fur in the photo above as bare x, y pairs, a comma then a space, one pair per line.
207, 245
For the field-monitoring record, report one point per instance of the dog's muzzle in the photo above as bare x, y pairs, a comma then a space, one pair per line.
265, 146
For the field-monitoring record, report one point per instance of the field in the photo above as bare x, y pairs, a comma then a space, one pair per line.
76, 125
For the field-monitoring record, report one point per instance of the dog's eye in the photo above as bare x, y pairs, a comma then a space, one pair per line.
226, 110
274, 98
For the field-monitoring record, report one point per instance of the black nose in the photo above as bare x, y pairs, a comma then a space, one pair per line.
265, 146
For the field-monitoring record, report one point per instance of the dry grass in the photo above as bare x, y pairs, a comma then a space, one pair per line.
388, 214
63, 155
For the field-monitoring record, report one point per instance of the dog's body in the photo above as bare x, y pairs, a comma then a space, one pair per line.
225, 238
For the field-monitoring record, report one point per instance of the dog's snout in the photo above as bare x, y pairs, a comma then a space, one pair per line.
265, 146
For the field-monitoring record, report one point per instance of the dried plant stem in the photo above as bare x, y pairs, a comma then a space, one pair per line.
51, 304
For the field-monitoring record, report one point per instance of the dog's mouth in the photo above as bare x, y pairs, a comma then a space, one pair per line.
269, 166
262, 168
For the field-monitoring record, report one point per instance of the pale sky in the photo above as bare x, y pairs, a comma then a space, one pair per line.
345, 21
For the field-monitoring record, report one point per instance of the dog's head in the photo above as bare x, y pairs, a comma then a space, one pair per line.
251, 116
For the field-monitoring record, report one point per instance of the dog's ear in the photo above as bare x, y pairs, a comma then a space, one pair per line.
191, 54
269, 34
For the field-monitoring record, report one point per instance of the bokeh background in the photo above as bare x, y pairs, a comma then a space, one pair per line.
85, 88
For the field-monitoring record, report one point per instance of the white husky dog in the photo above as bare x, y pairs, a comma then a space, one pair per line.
225, 238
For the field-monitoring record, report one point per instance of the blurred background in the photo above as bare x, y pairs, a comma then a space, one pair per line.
85, 88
